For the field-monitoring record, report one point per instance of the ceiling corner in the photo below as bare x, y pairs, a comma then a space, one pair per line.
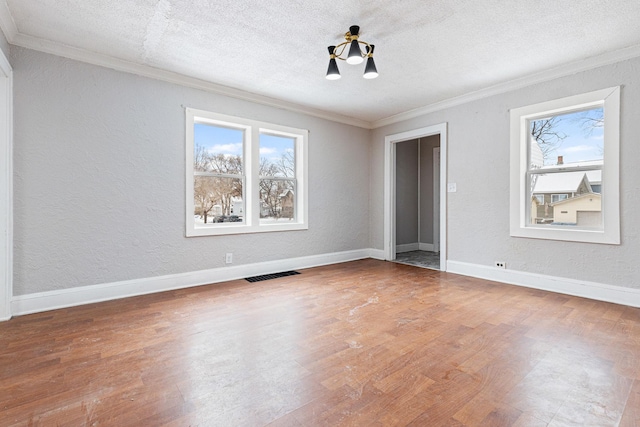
7, 23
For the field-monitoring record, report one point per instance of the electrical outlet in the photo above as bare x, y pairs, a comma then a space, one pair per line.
500, 264
228, 258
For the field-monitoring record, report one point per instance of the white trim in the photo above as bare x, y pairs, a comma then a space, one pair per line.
580, 288
389, 220
7, 23
117, 64
52, 300
520, 226
6, 189
376, 254
512, 85
408, 247
252, 130
14, 37
426, 247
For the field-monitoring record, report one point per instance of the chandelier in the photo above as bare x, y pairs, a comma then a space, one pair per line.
355, 56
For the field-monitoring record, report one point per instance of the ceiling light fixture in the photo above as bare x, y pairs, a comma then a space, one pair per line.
355, 55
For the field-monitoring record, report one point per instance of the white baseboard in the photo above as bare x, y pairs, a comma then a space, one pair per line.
426, 247
408, 247
52, 300
580, 288
376, 254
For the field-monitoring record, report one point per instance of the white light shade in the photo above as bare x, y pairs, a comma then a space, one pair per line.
332, 72
370, 71
355, 54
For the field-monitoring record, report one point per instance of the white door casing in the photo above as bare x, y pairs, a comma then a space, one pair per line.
390, 142
6, 187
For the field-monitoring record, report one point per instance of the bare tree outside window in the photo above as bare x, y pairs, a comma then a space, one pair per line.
243, 176
545, 133
218, 182
277, 177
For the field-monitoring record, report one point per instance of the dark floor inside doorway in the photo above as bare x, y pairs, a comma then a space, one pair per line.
423, 259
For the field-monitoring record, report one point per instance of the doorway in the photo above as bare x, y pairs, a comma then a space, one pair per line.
415, 197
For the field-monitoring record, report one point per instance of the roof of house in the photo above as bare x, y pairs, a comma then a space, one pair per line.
573, 199
565, 182
595, 177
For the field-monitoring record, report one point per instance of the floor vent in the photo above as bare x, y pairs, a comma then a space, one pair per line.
270, 276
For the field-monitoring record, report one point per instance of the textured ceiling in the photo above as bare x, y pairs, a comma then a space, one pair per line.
426, 51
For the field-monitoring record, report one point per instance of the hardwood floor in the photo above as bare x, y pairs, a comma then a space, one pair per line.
365, 343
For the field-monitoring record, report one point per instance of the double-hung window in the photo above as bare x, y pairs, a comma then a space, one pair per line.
564, 168
243, 176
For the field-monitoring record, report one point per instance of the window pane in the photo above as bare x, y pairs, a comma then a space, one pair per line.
277, 156
217, 200
277, 200
567, 198
573, 139
217, 149
562, 141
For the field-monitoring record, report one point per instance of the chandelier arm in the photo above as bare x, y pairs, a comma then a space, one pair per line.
341, 46
367, 54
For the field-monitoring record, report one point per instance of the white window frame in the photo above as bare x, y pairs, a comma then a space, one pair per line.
520, 118
251, 163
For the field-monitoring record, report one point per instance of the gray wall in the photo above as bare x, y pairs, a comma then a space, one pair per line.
414, 204
99, 179
426, 187
478, 162
407, 192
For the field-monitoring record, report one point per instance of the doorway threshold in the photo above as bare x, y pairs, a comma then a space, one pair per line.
424, 259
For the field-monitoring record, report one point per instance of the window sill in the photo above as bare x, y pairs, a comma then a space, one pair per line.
243, 229
567, 235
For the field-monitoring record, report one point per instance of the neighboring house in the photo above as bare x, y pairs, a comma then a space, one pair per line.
584, 210
237, 207
287, 201
550, 189
264, 210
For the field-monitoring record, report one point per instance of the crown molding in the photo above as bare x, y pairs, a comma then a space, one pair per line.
543, 76
12, 35
7, 24
117, 64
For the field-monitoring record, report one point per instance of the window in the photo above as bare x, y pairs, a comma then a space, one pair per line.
558, 197
243, 176
564, 168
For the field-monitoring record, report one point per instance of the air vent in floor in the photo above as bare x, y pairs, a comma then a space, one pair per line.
270, 276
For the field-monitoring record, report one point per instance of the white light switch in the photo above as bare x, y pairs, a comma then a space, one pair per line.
451, 187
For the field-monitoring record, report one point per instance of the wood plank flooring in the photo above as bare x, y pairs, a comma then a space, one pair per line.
365, 343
